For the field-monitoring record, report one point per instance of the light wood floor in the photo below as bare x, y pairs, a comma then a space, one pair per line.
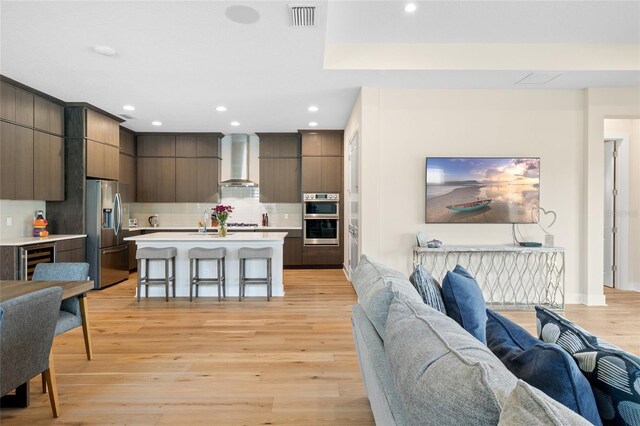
288, 361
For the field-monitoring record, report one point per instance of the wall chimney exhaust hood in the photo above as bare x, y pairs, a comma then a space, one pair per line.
239, 163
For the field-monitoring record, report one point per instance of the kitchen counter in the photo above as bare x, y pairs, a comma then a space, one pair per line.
24, 241
184, 241
195, 228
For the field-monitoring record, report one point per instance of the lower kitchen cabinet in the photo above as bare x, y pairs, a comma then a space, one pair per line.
133, 262
73, 250
292, 250
322, 256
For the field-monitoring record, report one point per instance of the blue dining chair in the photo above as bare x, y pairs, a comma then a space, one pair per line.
73, 311
27, 326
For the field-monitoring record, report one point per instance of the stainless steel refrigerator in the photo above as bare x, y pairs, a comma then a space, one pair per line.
106, 212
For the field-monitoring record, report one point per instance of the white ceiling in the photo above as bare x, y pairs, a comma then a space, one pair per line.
178, 60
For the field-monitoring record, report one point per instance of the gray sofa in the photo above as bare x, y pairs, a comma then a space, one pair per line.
420, 367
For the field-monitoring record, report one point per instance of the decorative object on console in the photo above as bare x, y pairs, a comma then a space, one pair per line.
481, 190
222, 212
428, 288
434, 244
548, 238
545, 366
40, 225
422, 239
614, 374
464, 302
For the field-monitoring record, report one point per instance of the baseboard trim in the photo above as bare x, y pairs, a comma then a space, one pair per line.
585, 299
631, 286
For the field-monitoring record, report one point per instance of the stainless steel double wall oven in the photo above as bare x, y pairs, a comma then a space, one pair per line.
321, 219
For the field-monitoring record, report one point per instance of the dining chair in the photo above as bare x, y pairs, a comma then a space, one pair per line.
72, 310
27, 326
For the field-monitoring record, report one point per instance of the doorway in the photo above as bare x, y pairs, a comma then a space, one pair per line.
610, 229
353, 200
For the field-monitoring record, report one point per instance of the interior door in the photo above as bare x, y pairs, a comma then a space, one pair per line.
354, 190
609, 231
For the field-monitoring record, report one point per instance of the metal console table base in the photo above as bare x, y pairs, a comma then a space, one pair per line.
511, 278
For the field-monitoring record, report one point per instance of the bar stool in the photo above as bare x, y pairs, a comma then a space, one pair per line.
197, 254
254, 253
144, 255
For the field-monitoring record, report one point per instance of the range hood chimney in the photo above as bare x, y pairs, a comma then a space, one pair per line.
239, 162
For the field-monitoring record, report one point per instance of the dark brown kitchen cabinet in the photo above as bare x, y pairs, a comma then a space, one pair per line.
156, 179
331, 168
48, 166
322, 256
47, 116
73, 250
127, 173
127, 143
279, 145
16, 105
311, 174
292, 249
16, 162
280, 180
156, 146
192, 145
101, 128
322, 143
103, 160
197, 180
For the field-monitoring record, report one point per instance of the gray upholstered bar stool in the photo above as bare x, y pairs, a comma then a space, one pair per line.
254, 253
168, 255
197, 254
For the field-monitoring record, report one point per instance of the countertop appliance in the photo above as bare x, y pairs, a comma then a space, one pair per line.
154, 221
106, 211
321, 219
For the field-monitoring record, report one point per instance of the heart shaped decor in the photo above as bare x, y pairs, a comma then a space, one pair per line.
546, 213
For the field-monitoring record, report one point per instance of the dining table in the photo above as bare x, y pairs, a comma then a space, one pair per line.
10, 289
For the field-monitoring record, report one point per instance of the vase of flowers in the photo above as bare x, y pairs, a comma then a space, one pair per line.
221, 214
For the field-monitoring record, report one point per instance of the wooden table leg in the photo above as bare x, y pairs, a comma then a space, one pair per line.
84, 310
52, 385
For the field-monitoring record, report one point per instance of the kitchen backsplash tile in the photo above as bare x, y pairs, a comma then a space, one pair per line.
247, 209
22, 213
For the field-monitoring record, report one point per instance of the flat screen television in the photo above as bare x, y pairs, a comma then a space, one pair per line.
482, 190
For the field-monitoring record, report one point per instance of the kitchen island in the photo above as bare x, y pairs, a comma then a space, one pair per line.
184, 241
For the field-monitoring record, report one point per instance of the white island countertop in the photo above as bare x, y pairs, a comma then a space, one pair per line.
209, 237
209, 228
23, 241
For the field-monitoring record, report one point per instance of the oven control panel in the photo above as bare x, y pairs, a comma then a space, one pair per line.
322, 196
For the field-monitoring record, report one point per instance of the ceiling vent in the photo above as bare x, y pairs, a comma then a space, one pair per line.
127, 116
303, 16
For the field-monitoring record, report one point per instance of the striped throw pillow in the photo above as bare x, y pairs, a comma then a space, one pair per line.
428, 288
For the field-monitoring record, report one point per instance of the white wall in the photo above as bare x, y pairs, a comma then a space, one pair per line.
22, 213
629, 131
400, 127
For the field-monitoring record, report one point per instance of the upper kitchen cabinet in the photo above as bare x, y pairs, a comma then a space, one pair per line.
197, 180
47, 116
156, 180
198, 145
150, 145
98, 132
323, 143
279, 167
32, 146
16, 105
322, 161
127, 172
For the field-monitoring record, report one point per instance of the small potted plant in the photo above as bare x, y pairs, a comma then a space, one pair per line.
220, 214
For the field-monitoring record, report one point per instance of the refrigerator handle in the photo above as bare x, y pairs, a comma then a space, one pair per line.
118, 219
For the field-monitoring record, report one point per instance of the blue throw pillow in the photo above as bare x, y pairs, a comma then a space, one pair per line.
465, 304
614, 375
545, 366
428, 288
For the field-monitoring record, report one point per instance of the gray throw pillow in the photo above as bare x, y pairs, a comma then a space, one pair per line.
372, 282
444, 375
528, 406
428, 288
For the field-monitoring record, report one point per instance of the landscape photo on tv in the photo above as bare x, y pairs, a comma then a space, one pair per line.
482, 190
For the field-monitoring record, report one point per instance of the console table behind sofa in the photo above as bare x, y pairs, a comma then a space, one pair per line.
511, 277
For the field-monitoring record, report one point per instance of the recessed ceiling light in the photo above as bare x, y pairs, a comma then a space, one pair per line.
313, 108
234, 123
313, 124
242, 14
221, 108
105, 50
410, 7
129, 108
157, 123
